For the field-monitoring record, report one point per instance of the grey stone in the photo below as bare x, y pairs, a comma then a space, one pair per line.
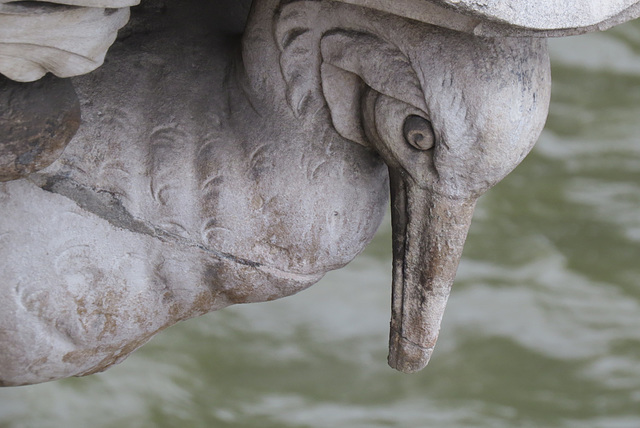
40, 37
491, 18
36, 123
211, 170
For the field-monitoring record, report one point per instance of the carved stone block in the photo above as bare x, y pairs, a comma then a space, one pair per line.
212, 169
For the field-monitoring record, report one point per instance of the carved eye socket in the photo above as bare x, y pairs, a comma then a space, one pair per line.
418, 132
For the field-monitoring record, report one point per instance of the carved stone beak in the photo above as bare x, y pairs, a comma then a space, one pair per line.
429, 231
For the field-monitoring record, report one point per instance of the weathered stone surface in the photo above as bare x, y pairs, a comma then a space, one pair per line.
36, 122
38, 37
71, 37
212, 170
536, 18
175, 198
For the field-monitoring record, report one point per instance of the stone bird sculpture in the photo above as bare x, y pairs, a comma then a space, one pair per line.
212, 169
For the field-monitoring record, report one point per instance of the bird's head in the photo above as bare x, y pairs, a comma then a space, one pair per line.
450, 114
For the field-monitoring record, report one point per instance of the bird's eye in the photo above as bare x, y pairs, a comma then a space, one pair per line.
418, 132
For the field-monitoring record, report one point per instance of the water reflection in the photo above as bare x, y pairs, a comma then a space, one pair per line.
543, 327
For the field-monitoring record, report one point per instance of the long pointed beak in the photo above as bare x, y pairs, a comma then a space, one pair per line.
429, 231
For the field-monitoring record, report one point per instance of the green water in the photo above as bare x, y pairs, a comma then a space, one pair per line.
542, 329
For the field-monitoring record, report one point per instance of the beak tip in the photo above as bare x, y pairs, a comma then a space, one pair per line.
407, 357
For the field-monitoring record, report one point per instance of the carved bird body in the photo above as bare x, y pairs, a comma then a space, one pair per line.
164, 207
209, 172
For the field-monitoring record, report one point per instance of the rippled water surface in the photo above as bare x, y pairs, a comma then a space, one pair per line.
542, 329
